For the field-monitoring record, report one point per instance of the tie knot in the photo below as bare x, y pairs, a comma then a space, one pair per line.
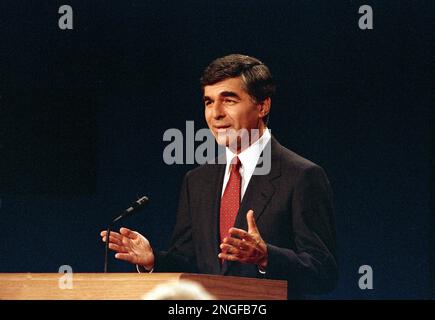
235, 163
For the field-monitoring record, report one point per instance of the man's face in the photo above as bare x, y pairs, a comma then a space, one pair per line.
229, 108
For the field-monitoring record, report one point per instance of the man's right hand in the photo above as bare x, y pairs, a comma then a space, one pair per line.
131, 246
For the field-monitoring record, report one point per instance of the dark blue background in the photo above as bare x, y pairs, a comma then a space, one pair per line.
83, 114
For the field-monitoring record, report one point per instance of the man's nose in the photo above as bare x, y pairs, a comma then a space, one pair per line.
218, 110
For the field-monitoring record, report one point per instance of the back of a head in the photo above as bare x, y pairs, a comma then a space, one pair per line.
181, 290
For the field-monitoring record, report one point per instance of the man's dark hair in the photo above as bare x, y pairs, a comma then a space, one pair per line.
255, 75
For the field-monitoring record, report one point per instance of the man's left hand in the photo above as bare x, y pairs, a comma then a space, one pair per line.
245, 247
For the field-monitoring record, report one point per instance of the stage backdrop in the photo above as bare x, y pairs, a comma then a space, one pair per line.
83, 113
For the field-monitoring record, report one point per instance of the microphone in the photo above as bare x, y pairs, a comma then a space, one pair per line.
134, 207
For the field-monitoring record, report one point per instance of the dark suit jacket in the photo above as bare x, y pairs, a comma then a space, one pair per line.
294, 214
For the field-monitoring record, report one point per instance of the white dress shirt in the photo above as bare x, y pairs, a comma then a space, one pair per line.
249, 159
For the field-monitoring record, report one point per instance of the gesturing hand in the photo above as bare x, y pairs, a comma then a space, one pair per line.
130, 246
245, 247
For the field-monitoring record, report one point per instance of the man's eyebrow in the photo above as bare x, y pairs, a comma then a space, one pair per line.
229, 94
223, 94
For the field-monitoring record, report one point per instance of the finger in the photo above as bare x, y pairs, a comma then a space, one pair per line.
117, 248
128, 233
240, 234
228, 257
113, 236
242, 246
252, 226
126, 242
234, 242
113, 240
117, 238
226, 248
126, 257
112, 233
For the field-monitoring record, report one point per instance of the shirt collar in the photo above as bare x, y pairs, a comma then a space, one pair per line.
249, 157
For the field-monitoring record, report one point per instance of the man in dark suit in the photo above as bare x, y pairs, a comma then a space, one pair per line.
234, 219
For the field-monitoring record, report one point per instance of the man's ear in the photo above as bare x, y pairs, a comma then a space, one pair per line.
264, 107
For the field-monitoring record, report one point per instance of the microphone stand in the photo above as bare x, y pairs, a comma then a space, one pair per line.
106, 254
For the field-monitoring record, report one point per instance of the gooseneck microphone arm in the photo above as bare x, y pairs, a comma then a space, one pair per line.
135, 207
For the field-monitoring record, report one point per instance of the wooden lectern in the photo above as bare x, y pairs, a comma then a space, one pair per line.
131, 286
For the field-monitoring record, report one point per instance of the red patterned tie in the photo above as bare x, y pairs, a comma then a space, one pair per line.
230, 201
